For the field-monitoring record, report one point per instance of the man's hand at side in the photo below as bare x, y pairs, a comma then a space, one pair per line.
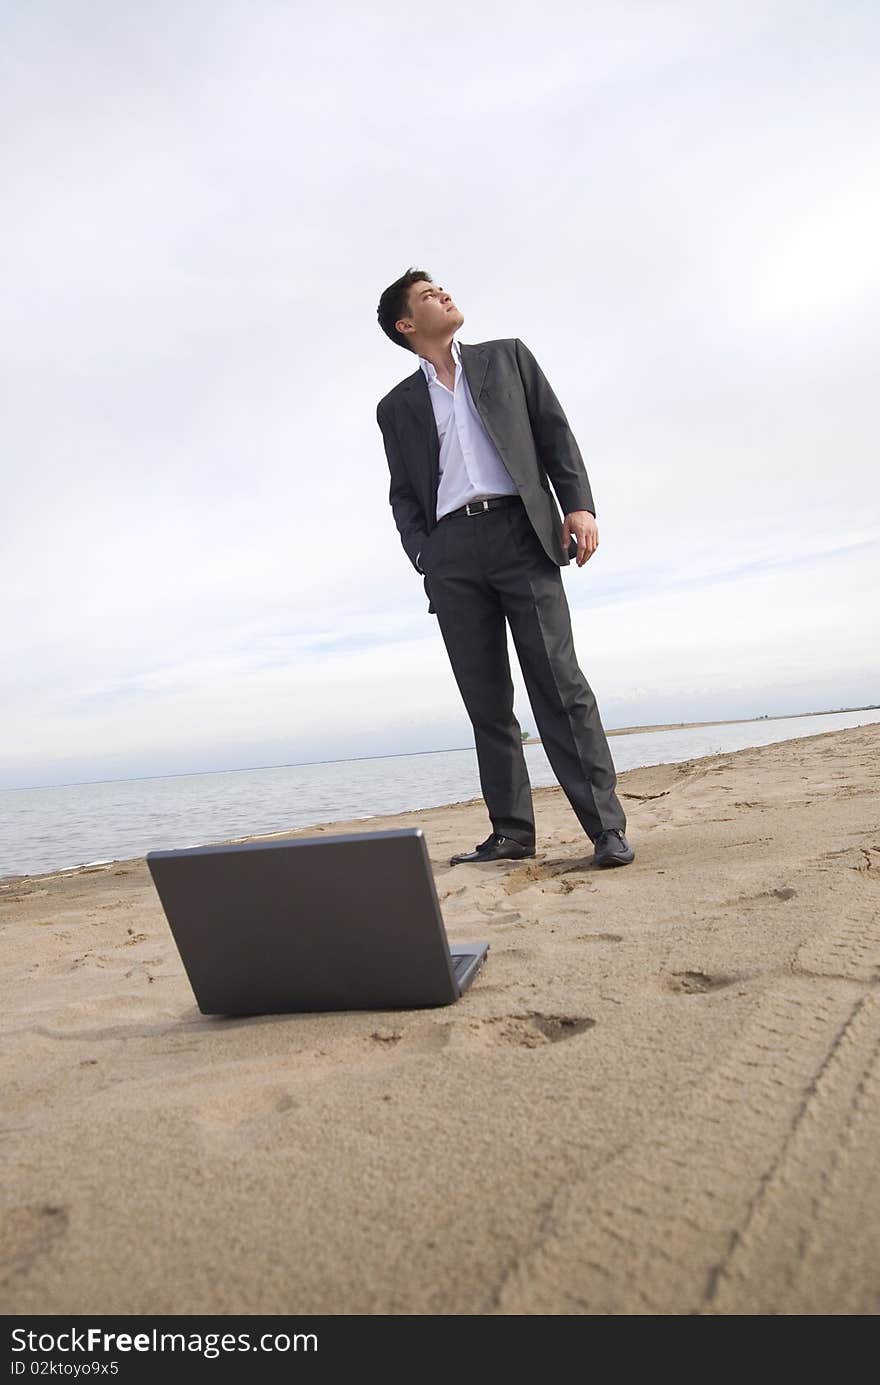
583, 525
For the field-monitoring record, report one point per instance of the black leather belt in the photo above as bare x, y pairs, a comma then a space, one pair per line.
479, 507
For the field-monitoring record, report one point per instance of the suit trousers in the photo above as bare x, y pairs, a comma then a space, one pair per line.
484, 569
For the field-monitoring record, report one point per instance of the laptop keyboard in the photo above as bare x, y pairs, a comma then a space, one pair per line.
461, 962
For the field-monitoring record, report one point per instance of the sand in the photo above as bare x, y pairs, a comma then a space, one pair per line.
662, 1095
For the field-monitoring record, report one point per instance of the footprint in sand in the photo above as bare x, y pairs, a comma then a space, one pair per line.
783, 892
869, 862
694, 982
531, 1030
502, 919
238, 1105
27, 1233
550, 873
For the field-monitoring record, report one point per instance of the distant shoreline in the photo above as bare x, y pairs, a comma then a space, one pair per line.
729, 721
402, 754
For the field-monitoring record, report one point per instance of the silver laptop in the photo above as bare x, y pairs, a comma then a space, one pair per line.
318, 923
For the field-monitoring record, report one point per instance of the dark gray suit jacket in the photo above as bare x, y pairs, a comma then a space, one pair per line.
523, 418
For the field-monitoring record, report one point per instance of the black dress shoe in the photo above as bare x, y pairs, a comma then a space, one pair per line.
494, 848
612, 849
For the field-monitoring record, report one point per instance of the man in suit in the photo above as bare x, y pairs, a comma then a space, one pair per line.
474, 439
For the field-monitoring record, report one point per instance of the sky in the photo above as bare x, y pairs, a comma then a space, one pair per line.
674, 204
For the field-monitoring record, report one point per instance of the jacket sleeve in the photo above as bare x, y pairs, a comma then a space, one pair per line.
408, 513
555, 443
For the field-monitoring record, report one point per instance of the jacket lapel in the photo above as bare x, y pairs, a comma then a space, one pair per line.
475, 363
418, 398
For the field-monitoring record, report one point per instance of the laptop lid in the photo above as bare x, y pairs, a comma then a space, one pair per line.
345, 922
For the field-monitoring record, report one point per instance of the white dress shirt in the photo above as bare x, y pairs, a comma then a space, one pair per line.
470, 464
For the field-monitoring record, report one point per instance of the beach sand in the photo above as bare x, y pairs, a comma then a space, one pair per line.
662, 1095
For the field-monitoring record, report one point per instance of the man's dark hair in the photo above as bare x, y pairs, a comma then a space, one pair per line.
394, 304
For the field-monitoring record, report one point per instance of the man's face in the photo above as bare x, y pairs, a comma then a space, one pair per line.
432, 313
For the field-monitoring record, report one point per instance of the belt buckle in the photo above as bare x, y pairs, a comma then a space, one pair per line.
481, 507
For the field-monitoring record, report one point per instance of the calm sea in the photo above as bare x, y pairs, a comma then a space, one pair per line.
75, 824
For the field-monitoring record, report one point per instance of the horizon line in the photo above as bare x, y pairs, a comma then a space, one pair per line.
440, 750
